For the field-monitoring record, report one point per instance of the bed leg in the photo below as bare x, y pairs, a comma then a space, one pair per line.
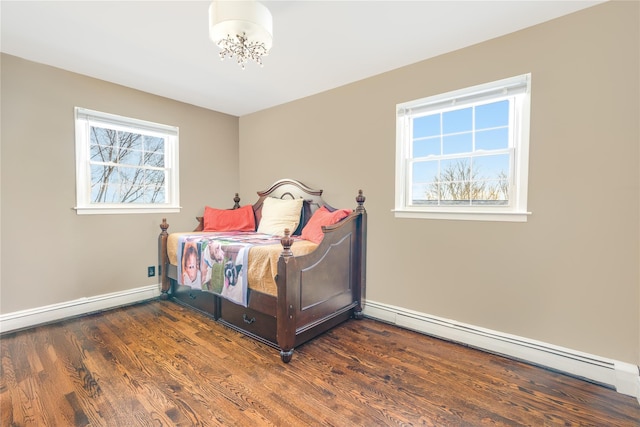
164, 295
286, 355
358, 315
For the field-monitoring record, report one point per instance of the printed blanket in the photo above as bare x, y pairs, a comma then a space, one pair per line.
218, 262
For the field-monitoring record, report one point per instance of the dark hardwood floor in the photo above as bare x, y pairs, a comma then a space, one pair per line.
160, 364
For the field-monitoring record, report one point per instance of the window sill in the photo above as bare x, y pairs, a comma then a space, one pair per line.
120, 210
463, 216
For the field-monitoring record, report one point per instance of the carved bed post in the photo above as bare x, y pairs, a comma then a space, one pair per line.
163, 260
362, 253
360, 200
236, 201
286, 242
286, 312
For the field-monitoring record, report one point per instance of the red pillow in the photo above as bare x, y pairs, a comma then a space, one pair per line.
240, 219
313, 230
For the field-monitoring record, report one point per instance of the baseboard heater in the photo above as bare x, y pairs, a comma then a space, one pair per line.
621, 376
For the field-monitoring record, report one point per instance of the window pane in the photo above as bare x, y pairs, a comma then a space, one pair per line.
132, 194
154, 177
102, 136
424, 194
153, 143
98, 173
154, 151
154, 159
425, 171
424, 185
457, 121
492, 115
95, 190
491, 174
491, 167
136, 142
497, 193
130, 140
153, 194
102, 144
105, 193
493, 139
100, 153
426, 147
456, 181
130, 157
426, 126
460, 143
154, 190
98, 192
111, 176
127, 175
104, 183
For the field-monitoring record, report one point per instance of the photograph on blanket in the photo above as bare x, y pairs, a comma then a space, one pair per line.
190, 272
214, 265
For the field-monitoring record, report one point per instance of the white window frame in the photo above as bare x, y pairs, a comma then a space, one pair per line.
516, 210
84, 120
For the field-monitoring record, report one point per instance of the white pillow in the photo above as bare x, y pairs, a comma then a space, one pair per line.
278, 214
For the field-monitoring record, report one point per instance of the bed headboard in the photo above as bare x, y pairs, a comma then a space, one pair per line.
292, 189
284, 189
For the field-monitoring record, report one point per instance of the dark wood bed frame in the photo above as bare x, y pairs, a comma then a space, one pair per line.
315, 292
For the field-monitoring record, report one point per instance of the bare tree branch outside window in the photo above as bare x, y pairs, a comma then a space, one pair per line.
460, 184
126, 167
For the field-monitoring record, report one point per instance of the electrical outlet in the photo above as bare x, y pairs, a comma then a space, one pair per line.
151, 271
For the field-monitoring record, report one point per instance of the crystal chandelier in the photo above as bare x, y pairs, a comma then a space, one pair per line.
241, 29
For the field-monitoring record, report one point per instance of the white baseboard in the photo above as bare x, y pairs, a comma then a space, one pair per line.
624, 377
50, 313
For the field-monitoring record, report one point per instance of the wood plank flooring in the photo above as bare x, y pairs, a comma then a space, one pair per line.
160, 364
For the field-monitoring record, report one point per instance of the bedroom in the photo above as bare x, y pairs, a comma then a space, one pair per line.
566, 278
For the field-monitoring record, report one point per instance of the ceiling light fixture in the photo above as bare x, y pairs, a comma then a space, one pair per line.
243, 29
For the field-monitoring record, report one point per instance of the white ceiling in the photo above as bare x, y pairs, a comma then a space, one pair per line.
162, 47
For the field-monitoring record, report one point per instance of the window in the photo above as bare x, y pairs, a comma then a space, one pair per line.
464, 154
125, 165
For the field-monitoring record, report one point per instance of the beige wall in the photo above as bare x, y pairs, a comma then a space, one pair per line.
570, 275
52, 255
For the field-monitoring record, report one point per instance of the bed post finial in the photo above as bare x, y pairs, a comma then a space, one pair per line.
164, 226
360, 199
236, 201
286, 242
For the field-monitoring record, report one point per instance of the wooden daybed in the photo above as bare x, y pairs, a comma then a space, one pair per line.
313, 292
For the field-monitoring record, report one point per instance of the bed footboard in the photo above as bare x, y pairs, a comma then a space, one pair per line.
321, 289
